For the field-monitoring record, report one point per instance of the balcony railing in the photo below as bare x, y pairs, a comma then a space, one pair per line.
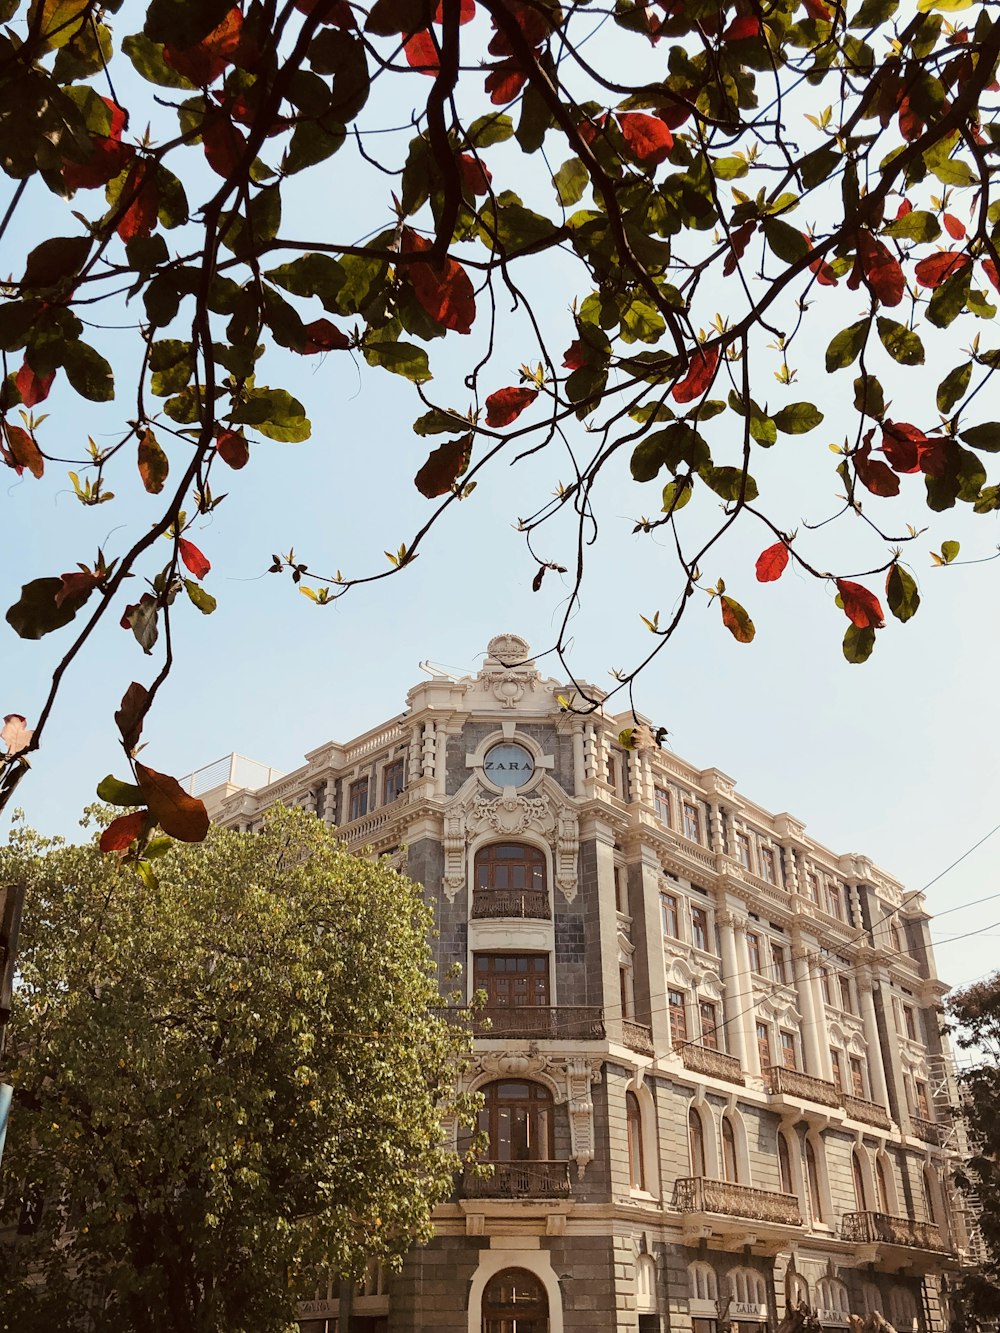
698, 1194
926, 1129
782, 1082
637, 1037
563, 1023
883, 1229
489, 903
716, 1064
518, 1180
868, 1112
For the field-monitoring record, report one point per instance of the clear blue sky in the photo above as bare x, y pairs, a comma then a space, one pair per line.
896, 758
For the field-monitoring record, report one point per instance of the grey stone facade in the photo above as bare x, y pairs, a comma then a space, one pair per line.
738, 1049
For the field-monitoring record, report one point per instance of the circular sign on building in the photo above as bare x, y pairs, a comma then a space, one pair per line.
508, 764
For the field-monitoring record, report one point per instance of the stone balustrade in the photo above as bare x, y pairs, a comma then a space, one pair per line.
884, 1229
716, 1064
782, 1082
698, 1194
637, 1037
925, 1129
870, 1113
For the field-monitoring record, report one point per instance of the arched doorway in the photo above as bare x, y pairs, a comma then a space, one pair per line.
514, 1301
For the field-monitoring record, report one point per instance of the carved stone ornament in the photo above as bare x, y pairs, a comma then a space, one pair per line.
569, 1078
508, 670
510, 815
508, 649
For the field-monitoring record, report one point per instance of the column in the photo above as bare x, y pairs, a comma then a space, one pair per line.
651, 939
813, 1035
819, 1006
748, 1012
876, 1068
732, 997
578, 758
717, 833
441, 763
791, 868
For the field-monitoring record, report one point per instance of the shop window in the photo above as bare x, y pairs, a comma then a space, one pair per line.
645, 1290
902, 1308
796, 1291
831, 1298
703, 1283
515, 1301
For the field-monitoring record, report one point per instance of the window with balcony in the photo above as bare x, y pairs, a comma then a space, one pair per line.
838, 1068
753, 951
857, 1077
677, 1011
813, 1182
730, 1159
743, 850
909, 1022
785, 1179
835, 901
393, 781
670, 915
512, 980
661, 805
510, 880
696, 1144
357, 799
897, 937
882, 1186
923, 1104
858, 1177
768, 865
517, 1117
708, 1013
764, 1045
847, 995
824, 981
788, 1049
779, 960
692, 821
633, 1123
812, 887
699, 928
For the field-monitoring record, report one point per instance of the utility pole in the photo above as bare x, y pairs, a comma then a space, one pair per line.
11, 902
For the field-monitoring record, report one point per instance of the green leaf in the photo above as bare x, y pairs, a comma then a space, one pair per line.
950, 550
676, 494
677, 445
203, 600
727, 482
312, 141
953, 387
496, 127
858, 643
902, 344
868, 396
147, 57
436, 422
642, 322
115, 792
763, 428
786, 241
948, 300
985, 437
729, 168
153, 464
55, 260
571, 180
336, 51
916, 226
901, 593
846, 346
88, 372
401, 358
798, 418
36, 614
274, 413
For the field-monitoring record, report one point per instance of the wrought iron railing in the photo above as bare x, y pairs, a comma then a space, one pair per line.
782, 1082
637, 1037
925, 1129
884, 1229
871, 1113
716, 1064
489, 903
518, 1180
563, 1023
698, 1194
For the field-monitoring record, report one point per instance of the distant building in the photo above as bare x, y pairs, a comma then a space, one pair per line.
712, 1065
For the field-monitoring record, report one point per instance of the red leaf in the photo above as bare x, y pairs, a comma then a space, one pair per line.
934, 455
648, 137
901, 445
204, 62
444, 466
130, 714
937, 268
184, 817
990, 269
531, 19
146, 599
504, 82
877, 476
576, 355
817, 10
475, 174
738, 242
881, 269
324, 336
771, 563
904, 208
422, 54
467, 11
143, 201
736, 620
954, 226
233, 449
506, 405
24, 451
861, 606
223, 143
910, 124
108, 156
699, 375
742, 27
123, 831
33, 388
444, 291
193, 558
77, 585
339, 16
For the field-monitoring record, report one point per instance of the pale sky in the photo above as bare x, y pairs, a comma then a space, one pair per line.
895, 758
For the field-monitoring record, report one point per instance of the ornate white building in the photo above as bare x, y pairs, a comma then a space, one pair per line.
710, 1054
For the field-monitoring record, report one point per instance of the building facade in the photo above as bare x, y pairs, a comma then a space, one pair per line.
709, 1052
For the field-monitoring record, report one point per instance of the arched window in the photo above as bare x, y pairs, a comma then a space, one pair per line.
510, 881
882, 1184
784, 1166
796, 1291
696, 1143
812, 1176
633, 1119
929, 1189
831, 1296
859, 1182
645, 1284
730, 1162
902, 1309
517, 1117
872, 1298
747, 1286
514, 1301
704, 1285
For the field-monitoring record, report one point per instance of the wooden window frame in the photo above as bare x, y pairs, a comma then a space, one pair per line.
393, 793
358, 794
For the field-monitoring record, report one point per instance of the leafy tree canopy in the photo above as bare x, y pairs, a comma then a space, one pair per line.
677, 209
224, 1087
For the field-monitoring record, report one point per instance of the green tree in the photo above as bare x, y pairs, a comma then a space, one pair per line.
974, 1016
682, 227
225, 1086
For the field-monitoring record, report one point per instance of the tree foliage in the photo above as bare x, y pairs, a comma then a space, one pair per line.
224, 1087
676, 207
974, 1014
